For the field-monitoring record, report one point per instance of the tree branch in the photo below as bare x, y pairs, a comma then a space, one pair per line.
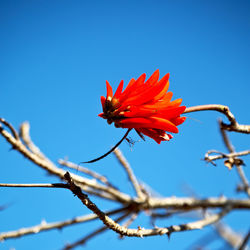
44, 226
239, 168
87, 171
93, 234
211, 158
11, 128
130, 173
233, 126
40, 185
85, 184
140, 232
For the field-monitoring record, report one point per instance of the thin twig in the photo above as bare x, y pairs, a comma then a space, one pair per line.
87, 171
24, 133
40, 185
233, 126
132, 218
93, 234
220, 155
11, 128
44, 226
130, 173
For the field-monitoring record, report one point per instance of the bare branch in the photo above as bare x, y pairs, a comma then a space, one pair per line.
40, 185
233, 126
24, 133
239, 168
130, 173
132, 218
191, 203
132, 205
11, 128
44, 226
231, 237
93, 234
86, 184
140, 232
211, 158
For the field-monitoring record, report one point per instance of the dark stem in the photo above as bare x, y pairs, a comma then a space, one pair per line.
110, 151
244, 242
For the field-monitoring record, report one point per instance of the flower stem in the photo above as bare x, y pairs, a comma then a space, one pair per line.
110, 151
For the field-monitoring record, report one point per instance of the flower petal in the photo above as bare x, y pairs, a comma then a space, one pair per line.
133, 88
150, 122
103, 100
171, 112
176, 102
109, 91
163, 92
127, 91
157, 134
154, 78
178, 120
164, 102
119, 90
148, 93
137, 111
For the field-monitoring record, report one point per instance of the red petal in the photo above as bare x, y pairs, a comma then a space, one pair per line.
119, 90
103, 100
157, 134
139, 82
167, 97
126, 92
170, 113
135, 111
109, 91
132, 89
139, 86
164, 102
175, 103
154, 78
178, 120
152, 122
148, 94
150, 134
163, 92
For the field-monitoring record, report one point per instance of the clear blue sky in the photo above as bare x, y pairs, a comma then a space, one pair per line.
54, 59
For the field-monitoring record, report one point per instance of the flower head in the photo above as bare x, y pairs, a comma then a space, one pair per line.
145, 106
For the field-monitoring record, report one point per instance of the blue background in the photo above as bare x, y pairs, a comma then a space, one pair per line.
54, 59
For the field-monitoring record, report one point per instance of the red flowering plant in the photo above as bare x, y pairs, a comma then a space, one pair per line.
145, 107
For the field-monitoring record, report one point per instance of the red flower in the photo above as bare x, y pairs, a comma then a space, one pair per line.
144, 106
